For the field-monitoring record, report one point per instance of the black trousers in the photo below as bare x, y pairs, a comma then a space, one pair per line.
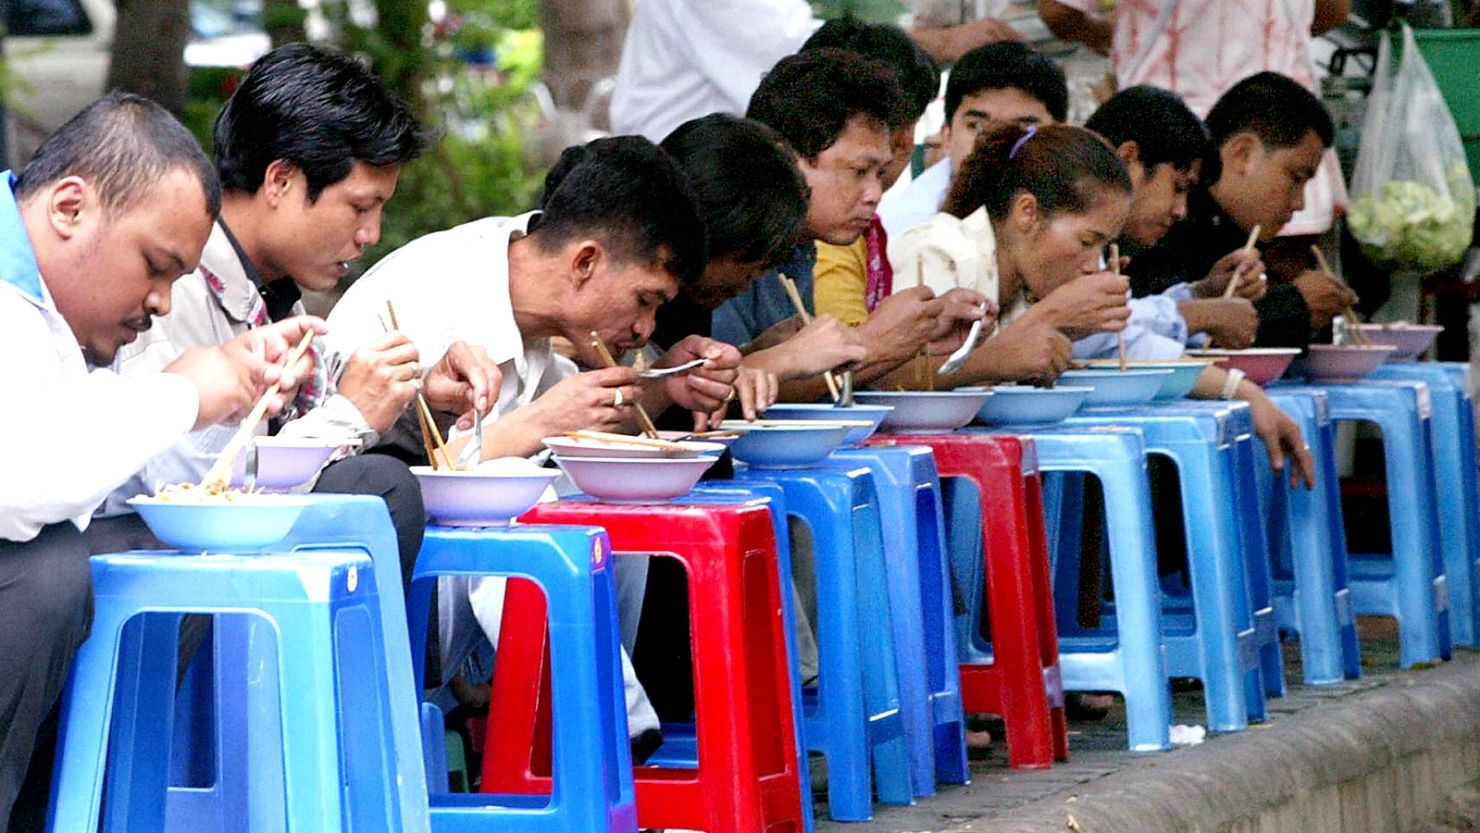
46, 608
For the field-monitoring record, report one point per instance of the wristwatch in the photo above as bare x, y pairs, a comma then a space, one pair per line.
1230, 387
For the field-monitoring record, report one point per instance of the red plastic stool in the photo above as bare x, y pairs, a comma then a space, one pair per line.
747, 777
1020, 678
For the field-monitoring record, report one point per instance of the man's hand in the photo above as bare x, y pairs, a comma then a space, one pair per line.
1089, 304
380, 378
231, 378
1326, 296
1251, 285
756, 389
823, 345
465, 380
587, 400
1028, 351
947, 45
1281, 436
963, 308
777, 334
901, 324
1231, 322
706, 388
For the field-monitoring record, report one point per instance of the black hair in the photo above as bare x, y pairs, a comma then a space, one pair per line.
1008, 65
746, 184
1158, 121
919, 77
122, 144
318, 110
809, 98
1273, 107
630, 195
1063, 167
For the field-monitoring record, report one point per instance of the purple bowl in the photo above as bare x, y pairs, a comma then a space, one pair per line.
1342, 362
491, 495
286, 462
1409, 340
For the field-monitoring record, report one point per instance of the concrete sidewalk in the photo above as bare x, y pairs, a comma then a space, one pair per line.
1382, 755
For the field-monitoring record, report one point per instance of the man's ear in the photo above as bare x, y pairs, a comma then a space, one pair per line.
1130, 154
278, 179
585, 259
70, 204
1240, 152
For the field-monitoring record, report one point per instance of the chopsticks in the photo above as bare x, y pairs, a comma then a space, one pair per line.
624, 439
796, 301
1357, 336
648, 428
431, 437
220, 471
1119, 336
1238, 273
923, 377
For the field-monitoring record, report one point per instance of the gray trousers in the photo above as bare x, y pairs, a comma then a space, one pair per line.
46, 608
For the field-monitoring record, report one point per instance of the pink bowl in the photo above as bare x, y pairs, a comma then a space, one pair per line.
1261, 365
1343, 362
1409, 339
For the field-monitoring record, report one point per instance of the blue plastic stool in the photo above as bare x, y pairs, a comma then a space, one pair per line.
921, 609
324, 610
1455, 475
215, 720
1307, 547
1130, 659
1408, 584
592, 761
853, 715
1223, 631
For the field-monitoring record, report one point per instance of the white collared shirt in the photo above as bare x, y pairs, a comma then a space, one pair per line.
902, 209
451, 286
683, 59
71, 434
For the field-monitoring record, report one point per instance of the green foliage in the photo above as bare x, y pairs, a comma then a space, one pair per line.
873, 11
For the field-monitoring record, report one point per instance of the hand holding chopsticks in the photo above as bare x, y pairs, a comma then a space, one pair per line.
431, 436
1238, 273
1353, 328
796, 302
1119, 336
648, 428
220, 471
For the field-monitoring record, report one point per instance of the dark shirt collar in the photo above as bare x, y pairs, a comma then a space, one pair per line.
279, 296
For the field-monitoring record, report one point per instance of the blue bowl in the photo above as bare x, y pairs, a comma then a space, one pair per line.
1184, 376
1022, 405
243, 523
794, 446
1117, 388
873, 413
927, 412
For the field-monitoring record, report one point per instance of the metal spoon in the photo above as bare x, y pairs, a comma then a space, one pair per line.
958, 358
472, 453
662, 372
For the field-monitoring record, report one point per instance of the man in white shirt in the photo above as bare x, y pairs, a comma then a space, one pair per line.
617, 235
688, 58
308, 149
111, 210
1001, 83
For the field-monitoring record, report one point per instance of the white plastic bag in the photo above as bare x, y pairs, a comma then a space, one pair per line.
1414, 201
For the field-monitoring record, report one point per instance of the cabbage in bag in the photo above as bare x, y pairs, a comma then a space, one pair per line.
1414, 205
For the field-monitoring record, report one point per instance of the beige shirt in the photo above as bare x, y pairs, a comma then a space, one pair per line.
953, 252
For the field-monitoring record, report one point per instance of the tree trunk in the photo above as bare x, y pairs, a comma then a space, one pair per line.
149, 51
583, 44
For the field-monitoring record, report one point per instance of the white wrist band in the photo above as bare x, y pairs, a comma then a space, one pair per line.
1230, 387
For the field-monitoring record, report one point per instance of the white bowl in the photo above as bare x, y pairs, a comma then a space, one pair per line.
285, 462
582, 447
926, 412
495, 493
624, 480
